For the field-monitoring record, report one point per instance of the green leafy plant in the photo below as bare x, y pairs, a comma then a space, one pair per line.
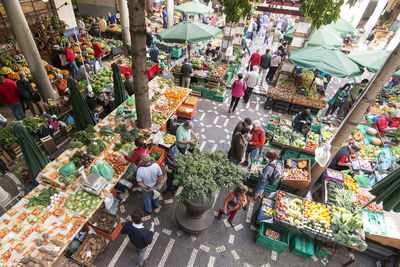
323, 12
202, 174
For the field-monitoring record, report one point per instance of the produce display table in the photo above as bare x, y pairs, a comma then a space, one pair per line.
151, 71
25, 223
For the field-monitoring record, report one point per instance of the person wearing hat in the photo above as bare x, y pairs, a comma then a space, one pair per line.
385, 120
61, 84
128, 83
238, 146
148, 177
171, 167
246, 123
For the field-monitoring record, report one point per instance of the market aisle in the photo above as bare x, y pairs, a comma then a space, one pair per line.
221, 245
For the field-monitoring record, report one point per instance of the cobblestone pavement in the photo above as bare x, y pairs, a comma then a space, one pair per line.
221, 245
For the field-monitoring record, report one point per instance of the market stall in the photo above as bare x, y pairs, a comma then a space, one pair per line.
125, 65
51, 215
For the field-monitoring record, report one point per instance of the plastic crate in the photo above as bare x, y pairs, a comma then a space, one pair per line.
302, 245
229, 76
325, 250
255, 176
160, 161
273, 244
197, 87
180, 119
220, 98
176, 75
191, 101
186, 112
290, 153
209, 94
271, 126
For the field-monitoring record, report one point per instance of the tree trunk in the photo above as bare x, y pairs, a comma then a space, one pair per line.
170, 13
138, 34
126, 36
356, 113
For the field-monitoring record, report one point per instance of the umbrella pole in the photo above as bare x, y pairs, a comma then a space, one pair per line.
312, 83
364, 206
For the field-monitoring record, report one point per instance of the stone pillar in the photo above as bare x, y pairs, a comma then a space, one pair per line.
124, 13
25, 41
170, 13
380, 6
359, 12
394, 42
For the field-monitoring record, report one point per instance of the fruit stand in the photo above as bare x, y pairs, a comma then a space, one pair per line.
40, 226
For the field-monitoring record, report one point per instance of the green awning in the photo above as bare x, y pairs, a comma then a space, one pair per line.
387, 191
119, 88
325, 37
371, 59
35, 159
326, 59
190, 31
82, 115
344, 27
194, 7
290, 34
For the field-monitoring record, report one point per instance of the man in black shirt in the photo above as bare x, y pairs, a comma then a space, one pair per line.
139, 236
154, 53
128, 83
186, 70
210, 52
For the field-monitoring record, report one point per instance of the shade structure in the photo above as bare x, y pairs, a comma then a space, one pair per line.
35, 159
397, 74
344, 27
387, 191
194, 7
290, 34
190, 31
82, 115
119, 88
325, 59
325, 37
371, 59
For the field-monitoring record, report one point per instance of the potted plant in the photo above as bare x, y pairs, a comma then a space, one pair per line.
201, 175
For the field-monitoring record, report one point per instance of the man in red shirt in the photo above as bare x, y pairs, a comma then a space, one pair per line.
255, 59
256, 142
384, 121
9, 96
98, 52
71, 59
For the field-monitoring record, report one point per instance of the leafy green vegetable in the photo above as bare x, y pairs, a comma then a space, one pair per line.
86, 136
203, 174
106, 131
76, 144
127, 136
43, 199
155, 155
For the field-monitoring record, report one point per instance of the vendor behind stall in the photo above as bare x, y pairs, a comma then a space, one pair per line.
342, 159
384, 121
183, 134
302, 122
210, 52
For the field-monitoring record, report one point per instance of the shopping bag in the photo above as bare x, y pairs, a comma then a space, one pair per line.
362, 180
67, 169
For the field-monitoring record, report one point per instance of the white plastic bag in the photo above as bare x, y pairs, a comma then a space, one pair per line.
108, 202
323, 154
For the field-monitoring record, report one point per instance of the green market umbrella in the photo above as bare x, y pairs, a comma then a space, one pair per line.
119, 88
190, 31
194, 7
371, 59
396, 74
387, 191
325, 37
34, 158
344, 27
325, 59
290, 34
82, 115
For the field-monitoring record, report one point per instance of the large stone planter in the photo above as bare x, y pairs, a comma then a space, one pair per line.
195, 216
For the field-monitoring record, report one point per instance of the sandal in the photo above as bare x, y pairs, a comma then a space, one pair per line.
231, 223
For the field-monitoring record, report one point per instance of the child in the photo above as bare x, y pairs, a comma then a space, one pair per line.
235, 201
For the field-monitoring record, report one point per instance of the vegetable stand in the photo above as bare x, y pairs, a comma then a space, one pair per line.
70, 207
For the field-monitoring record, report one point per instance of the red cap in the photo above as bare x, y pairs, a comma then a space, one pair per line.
127, 75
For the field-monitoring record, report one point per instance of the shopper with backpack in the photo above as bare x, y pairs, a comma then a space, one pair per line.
270, 174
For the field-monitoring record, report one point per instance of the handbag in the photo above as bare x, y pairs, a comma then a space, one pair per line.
36, 97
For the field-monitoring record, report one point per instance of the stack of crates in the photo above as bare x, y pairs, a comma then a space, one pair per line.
302, 245
188, 109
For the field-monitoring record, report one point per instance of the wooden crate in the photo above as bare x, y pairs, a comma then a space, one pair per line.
298, 184
195, 93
